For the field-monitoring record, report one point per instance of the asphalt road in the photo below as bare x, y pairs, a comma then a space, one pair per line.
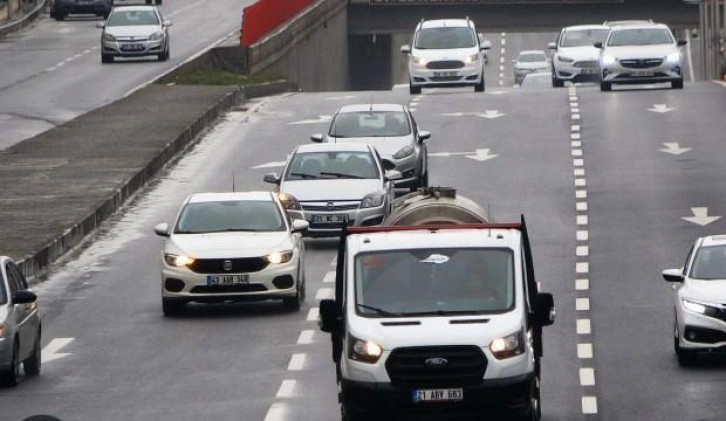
52, 71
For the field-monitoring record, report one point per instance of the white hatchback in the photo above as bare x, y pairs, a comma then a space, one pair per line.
232, 247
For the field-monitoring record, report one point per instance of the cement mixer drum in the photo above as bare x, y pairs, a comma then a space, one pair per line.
435, 206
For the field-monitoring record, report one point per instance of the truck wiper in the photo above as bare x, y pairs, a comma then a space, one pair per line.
380, 311
341, 175
445, 313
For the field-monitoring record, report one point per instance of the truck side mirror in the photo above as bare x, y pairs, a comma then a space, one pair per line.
544, 309
329, 317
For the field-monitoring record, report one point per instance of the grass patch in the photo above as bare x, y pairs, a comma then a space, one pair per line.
214, 76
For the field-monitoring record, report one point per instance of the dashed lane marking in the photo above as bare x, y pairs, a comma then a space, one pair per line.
329, 277
584, 351
589, 405
582, 304
325, 294
297, 361
277, 412
583, 327
306, 337
587, 376
582, 235
313, 314
287, 389
582, 284
581, 219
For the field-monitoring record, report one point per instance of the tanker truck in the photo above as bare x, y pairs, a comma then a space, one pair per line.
437, 311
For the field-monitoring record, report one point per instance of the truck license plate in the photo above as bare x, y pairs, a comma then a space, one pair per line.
437, 395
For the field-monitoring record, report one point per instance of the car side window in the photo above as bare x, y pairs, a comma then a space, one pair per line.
686, 268
12, 281
3, 294
20, 279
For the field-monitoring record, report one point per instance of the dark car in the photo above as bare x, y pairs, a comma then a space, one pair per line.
59, 9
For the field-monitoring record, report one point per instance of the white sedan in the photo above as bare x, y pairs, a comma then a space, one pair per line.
232, 247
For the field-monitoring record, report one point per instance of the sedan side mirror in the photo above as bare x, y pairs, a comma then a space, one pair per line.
300, 225
168, 23
329, 317
24, 297
485, 45
100, 25
551, 46
272, 178
393, 175
162, 229
682, 42
387, 164
544, 309
317, 138
673, 275
406, 49
423, 135
598, 44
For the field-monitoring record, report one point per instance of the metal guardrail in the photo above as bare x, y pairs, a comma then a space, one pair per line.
15, 14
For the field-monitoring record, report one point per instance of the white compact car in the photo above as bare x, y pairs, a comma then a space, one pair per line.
700, 299
446, 52
575, 57
232, 247
640, 53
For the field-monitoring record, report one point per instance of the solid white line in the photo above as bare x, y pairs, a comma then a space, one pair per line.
582, 235
583, 327
329, 277
580, 182
306, 337
574, 136
287, 389
589, 405
582, 284
324, 293
579, 172
297, 361
587, 376
578, 162
581, 206
576, 144
313, 314
582, 304
584, 351
689, 56
582, 251
277, 412
582, 267
50, 352
581, 219
577, 152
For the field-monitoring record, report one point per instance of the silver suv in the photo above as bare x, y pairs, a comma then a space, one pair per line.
640, 53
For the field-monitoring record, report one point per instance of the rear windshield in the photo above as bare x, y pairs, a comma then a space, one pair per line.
370, 124
640, 36
133, 18
583, 37
445, 38
230, 216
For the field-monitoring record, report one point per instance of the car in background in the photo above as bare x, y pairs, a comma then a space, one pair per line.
392, 130
640, 53
239, 246
529, 61
575, 57
20, 325
134, 31
446, 52
59, 9
337, 185
700, 300
539, 80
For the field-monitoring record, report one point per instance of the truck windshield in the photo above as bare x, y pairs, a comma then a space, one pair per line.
434, 282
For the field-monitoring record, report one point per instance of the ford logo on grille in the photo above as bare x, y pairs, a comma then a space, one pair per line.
436, 362
227, 265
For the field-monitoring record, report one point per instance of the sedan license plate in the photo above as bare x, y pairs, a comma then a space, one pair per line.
336, 218
227, 279
437, 395
445, 74
642, 73
132, 47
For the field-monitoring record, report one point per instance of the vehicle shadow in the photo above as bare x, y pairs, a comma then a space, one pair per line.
323, 243
708, 361
250, 309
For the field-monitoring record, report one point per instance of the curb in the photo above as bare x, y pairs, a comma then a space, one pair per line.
22, 22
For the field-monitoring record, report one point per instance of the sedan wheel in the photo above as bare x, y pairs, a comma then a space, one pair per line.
31, 365
12, 376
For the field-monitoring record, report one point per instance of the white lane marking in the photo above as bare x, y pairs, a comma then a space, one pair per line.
589, 405
720, 82
579, 172
501, 60
95, 48
575, 128
577, 152
689, 56
400, 86
325, 293
503, 51
61, 64
313, 314
582, 251
578, 162
277, 412
334, 262
673, 148
580, 182
583, 326
306, 337
87, 51
582, 267
575, 136
501, 68
412, 109
700, 217
320, 119
576, 144
68, 60
587, 376
297, 361
504, 40
50, 352
584, 351
270, 164
582, 235
575, 116
575, 110
581, 219
581, 206
287, 389
329, 277
504, 34
582, 304
582, 284
581, 194
50, 69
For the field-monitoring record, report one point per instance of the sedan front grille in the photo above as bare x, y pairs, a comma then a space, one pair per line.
464, 366
586, 64
645, 63
240, 265
445, 64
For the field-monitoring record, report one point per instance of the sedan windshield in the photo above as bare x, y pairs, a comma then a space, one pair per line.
133, 18
640, 36
532, 58
229, 216
434, 282
312, 165
710, 263
370, 124
583, 37
445, 38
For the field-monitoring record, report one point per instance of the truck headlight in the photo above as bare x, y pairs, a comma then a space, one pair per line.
372, 200
176, 260
108, 37
471, 59
419, 60
404, 152
508, 346
279, 257
156, 36
363, 351
694, 306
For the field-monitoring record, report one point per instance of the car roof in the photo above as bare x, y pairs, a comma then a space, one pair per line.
333, 147
628, 22
350, 108
638, 26
438, 23
263, 196
584, 27
714, 240
135, 8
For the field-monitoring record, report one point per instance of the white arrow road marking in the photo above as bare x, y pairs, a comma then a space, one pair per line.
270, 164
673, 148
700, 217
50, 352
320, 119
660, 108
482, 155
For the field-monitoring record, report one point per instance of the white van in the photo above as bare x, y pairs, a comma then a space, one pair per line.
437, 319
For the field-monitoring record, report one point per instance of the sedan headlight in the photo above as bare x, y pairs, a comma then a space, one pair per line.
156, 36
108, 37
694, 306
279, 257
3, 330
508, 346
176, 260
373, 200
608, 60
673, 57
419, 60
289, 201
407, 150
565, 59
471, 59
363, 351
